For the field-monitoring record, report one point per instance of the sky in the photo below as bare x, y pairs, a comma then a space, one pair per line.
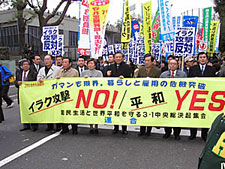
116, 7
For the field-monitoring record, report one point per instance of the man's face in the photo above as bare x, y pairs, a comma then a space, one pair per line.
59, 61
37, 60
148, 62
202, 59
66, 64
173, 65
118, 58
80, 62
25, 66
110, 59
48, 61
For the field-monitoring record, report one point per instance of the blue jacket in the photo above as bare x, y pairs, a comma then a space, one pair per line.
6, 73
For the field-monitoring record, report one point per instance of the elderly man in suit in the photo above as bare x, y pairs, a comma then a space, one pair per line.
149, 70
122, 70
173, 72
26, 74
67, 71
49, 71
201, 70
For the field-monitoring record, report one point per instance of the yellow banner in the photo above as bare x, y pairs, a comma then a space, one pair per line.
142, 102
98, 10
213, 33
147, 22
126, 26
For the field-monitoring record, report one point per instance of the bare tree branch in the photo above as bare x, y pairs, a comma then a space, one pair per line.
59, 20
55, 10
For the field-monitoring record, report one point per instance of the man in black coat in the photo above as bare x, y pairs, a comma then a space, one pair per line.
81, 65
26, 74
122, 70
201, 70
36, 65
1, 112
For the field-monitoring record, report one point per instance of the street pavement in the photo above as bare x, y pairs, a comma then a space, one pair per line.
47, 150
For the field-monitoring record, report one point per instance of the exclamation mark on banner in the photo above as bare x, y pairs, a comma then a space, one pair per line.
114, 99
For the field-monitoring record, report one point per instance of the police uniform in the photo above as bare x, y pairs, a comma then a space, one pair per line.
213, 155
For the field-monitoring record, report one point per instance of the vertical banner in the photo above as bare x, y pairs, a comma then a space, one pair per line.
140, 50
178, 21
111, 49
50, 38
126, 26
105, 52
147, 12
135, 27
156, 50
117, 47
59, 50
84, 38
184, 41
156, 28
167, 31
217, 39
174, 22
141, 30
98, 11
213, 34
207, 15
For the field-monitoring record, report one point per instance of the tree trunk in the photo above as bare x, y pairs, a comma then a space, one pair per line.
22, 29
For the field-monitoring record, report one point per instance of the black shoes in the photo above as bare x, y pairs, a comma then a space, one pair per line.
91, 131
141, 134
191, 137
48, 129
166, 136
125, 132
177, 137
115, 131
23, 129
64, 131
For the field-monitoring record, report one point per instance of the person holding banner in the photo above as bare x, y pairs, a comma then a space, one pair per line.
173, 72
81, 65
122, 70
110, 62
49, 71
201, 70
26, 74
68, 71
149, 70
92, 72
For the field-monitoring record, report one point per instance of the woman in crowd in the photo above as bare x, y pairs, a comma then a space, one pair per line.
92, 72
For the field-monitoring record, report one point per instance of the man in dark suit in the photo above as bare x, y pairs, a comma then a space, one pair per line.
122, 70
81, 65
110, 62
149, 70
36, 65
173, 72
26, 74
201, 70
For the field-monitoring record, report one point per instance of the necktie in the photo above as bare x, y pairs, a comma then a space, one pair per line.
172, 74
202, 69
81, 69
24, 76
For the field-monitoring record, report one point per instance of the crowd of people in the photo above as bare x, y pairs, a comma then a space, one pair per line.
58, 67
